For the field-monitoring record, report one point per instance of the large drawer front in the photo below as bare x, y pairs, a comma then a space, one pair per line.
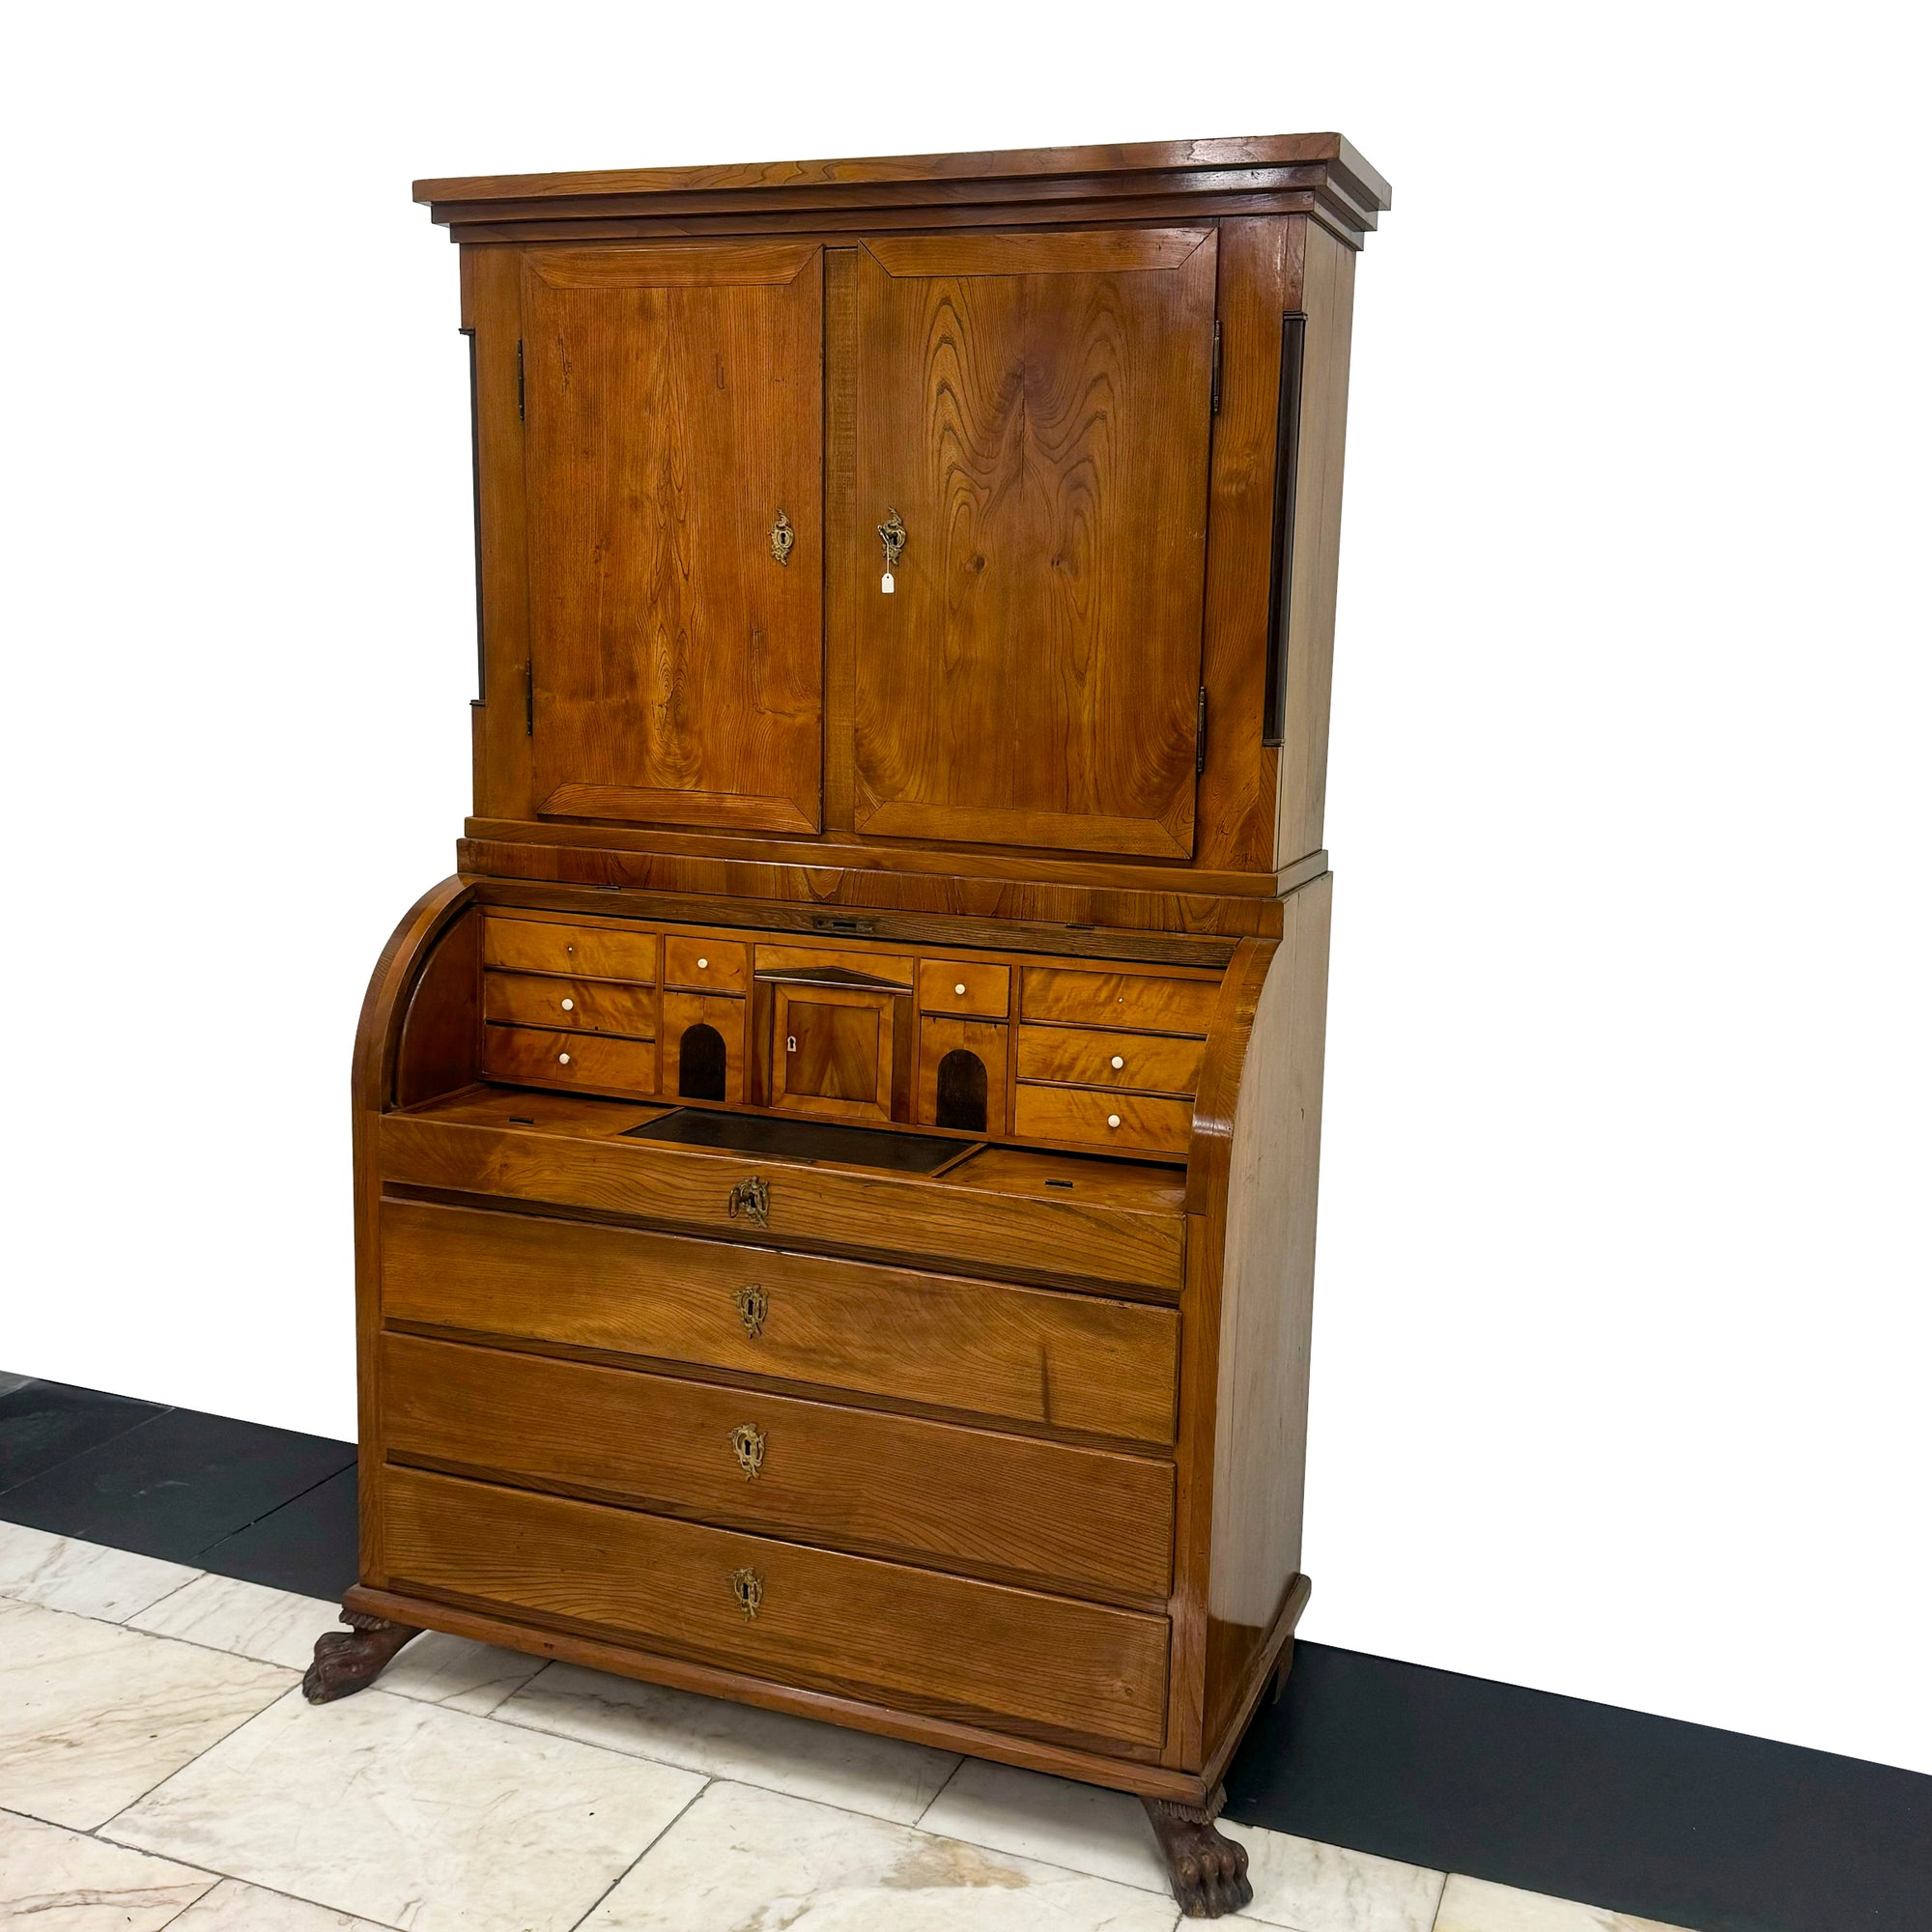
1076, 1361
1078, 1520
845, 1624
1082, 1234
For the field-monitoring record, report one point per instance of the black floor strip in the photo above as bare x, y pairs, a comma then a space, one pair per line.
1641, 1815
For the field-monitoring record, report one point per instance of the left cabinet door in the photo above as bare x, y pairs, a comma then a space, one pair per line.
672, 434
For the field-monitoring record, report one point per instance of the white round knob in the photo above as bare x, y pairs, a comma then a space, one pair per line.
1118, 1061
1113, 1120
563, 1059
702, 964
960, 989
570, 1007
570, 948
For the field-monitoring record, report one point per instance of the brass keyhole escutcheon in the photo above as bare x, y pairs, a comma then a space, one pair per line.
892, 536
783, 536
748, 1444
749, 1587
751, 1200
754, 1305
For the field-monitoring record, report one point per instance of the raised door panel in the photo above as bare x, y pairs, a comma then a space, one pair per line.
671, 402
1035, 408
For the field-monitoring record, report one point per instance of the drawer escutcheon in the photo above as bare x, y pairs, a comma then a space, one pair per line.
748, 1444
752, 1200
754, 1304
749, 1587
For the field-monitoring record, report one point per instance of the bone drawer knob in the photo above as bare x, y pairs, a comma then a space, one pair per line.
570, 1007
702, 964
960, 989
563, 1059
1118, 1062
1113, 1120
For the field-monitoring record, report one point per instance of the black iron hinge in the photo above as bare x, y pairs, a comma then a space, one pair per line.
1214, 375
519, 379
529, 699
1200, 731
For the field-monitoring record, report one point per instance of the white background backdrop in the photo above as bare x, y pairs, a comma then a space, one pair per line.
1623, 1333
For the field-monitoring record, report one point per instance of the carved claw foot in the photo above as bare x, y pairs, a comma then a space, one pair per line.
1209, 1873
349, 1661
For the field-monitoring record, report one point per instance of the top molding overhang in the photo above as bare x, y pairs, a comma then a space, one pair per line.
1317, 175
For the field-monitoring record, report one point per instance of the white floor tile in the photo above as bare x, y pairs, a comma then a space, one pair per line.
743, 1858
235, 1907
1474, 1905
412, 1815
1078, 1826
884, 1777
1313, 1887
225, 1613
57, 1881
62, 1572
442, 1670
92, 1715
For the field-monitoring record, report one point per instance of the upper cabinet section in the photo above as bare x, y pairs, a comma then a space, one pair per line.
672, 419
944, 531
1033, 415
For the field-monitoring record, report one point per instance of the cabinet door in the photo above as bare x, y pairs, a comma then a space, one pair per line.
1036, 409
833, 1051
671, 416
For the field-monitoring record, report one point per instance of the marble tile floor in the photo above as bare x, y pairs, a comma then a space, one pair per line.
159, 1767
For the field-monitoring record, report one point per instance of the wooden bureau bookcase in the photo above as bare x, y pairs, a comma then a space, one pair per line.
835, 1167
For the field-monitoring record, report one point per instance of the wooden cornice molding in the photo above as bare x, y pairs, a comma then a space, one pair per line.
1320, 175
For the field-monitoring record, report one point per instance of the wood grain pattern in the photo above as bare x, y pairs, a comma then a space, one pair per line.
1113, 1229
705, 965
832, 1051
571, 1006
578, 952
536, 1057
1142, 1121
964, 987
843, 1622
672, 413
726, 1016
1014, 1508
1129, 1002
1043, 433
437, 1052
1075, 1362
987, 1042
1084, 1057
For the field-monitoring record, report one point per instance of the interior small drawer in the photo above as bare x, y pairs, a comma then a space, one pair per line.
577, 1005
1084, 1057
705, 965
541, 1057
1137, 1000
595, 951
963, 986
1100, 1118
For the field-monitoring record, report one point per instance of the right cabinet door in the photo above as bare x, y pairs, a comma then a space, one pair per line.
1034, 408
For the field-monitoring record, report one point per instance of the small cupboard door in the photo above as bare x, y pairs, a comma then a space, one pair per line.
672, 434
1035, 410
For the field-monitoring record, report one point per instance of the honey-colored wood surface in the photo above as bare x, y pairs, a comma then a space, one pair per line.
1266, 1254
841, 1622
672, 398
1075, 1362
1036, 409
1124, 1001
578, 952
1144, 1121
1015, 1508
437, 1053
832, 1051
799, 962
577, 1005
705, 965
538, 1057
723, 1016
986, 1040
964, 987
1086, 1057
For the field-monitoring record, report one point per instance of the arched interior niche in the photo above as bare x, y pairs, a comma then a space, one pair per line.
700, 1063
962, 1091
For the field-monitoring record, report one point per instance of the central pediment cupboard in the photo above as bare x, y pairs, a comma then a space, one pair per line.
836, 1165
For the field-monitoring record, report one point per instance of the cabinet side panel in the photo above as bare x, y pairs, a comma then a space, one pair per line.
1266, 1285
490, 307
1328, 299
